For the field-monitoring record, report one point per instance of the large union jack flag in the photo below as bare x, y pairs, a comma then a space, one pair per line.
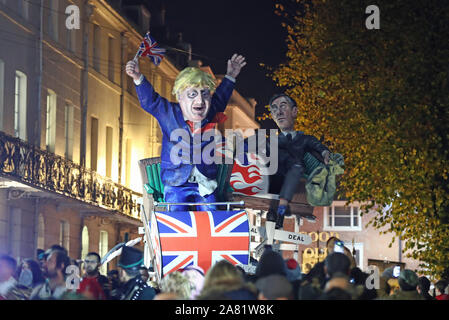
201, 238
150, 48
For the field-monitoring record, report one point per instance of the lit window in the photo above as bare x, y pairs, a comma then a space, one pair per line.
64, 235
41, 232
129, 149
68, 132
108, 151
84, 242
20, 105
93, 143
103, 249
50, 129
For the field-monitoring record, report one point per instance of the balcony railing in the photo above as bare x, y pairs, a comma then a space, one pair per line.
27, 164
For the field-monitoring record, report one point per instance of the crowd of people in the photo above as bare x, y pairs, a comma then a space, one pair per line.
335, 278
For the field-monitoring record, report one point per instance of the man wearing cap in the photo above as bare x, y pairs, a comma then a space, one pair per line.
292, 147
186, 174
133, 287
408, 281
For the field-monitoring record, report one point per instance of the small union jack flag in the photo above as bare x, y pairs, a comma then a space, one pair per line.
150, 48
201, 238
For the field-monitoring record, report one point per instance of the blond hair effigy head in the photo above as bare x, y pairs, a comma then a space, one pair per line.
192, 77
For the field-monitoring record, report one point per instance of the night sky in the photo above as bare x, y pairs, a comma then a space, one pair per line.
218, 28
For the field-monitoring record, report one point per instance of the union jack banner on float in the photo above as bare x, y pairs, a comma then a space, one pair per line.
150, 48
201, 238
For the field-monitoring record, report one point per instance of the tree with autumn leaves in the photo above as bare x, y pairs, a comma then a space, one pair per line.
381, 99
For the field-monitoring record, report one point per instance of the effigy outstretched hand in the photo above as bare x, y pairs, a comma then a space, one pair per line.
235, 65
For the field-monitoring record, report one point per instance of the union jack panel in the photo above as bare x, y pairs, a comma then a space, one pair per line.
201, 238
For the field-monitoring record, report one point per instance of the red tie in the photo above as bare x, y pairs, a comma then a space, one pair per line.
219, 118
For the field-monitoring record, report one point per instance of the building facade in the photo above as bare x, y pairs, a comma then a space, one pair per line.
369, 246
71, 127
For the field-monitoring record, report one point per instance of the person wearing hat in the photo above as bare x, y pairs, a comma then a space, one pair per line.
294, 275
408, 281
134, 288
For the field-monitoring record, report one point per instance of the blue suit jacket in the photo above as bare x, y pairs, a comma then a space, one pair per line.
169, 116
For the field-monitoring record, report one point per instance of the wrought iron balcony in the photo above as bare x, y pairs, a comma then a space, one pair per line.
23, 162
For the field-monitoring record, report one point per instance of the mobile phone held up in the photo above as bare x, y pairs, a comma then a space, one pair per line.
396, 271
339, 246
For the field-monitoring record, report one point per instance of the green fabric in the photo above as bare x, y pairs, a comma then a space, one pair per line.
310, 163
321, 182
138, 263
155, 186
409, 277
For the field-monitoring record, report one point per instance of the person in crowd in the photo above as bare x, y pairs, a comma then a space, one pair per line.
133, 287
336, 294
55, 285
114, 285
175, 286
144, 274
274, 287
94, 285
337, 268
292, 147
197, 111
195, 274
42, 259
423, 288
440, 288
294, 275
271, 262
408, 281
29, 274
225, 281
313, 283
9, 289
358, 278
113, 278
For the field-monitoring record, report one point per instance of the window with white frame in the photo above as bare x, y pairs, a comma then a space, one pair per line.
20, 105
103, 249
50, 129
64, 235
68, 131
342, 217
